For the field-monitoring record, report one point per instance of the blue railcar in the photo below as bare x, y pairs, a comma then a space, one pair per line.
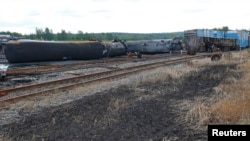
231, 34
204, 33
219, 34
240, 35
205, 40
242, 43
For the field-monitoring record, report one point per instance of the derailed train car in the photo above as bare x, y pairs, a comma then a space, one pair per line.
155, 46
114, 48
3, 40
204, 40
36, 51
20, 51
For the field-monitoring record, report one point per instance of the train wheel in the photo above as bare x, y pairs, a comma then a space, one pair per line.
215, 57
191, 52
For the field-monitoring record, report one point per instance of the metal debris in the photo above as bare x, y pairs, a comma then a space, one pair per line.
3, 70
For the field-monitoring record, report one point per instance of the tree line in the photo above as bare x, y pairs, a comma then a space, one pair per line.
47, 34
226, 28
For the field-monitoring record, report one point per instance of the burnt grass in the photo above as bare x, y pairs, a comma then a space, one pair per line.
123, 113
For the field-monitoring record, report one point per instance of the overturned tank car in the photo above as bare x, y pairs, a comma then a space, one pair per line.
114, 48
154, 46
35, 51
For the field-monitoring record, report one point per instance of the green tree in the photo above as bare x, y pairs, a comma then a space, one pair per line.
79, 35
70, 36
224, 28
109, 36
86, 36
62, 36
39, 33
31, 36
171, 35
48, 35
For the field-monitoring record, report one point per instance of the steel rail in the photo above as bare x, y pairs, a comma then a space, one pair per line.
128, 71
57, 68
84, 76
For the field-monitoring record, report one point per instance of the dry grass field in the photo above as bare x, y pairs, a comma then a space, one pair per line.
234, 107
171, 103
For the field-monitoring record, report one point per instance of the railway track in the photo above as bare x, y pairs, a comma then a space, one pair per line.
15, 94
55, 68
80, 65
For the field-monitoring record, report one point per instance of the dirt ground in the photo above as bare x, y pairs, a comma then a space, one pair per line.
149, 111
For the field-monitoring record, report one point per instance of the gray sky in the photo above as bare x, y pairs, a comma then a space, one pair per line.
134, 16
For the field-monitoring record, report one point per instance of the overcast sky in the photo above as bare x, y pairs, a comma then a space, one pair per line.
133, 16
